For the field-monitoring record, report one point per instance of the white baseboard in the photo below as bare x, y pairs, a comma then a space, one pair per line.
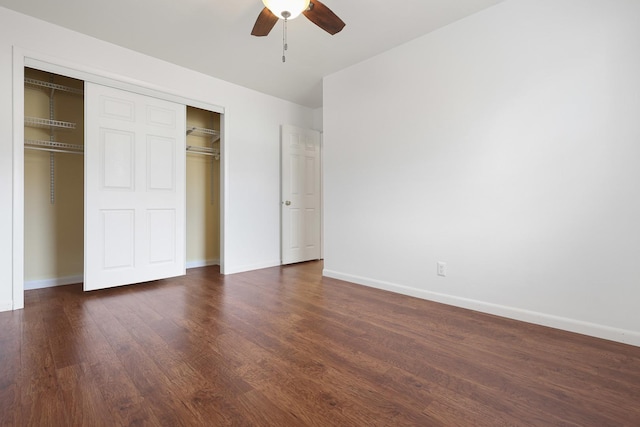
50, 283
557, 322
202, 263
6, 305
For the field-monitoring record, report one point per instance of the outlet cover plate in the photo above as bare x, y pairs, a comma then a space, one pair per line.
441, 268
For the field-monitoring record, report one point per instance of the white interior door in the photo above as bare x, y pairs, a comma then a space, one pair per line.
134, 188
300, 190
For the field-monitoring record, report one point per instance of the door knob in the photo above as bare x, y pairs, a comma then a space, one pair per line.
288, 203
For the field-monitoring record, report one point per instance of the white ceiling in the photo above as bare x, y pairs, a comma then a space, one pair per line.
213, 36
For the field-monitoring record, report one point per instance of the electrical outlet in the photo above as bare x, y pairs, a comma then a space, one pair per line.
441, 268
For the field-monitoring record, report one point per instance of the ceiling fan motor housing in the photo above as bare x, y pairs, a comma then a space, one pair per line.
314, 10
287, 9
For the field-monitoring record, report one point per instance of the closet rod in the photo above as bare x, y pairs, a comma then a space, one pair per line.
200, 148
54, 144
204, 154
203, 150
56, 150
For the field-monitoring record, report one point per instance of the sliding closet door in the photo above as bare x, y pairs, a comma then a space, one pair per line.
134, 188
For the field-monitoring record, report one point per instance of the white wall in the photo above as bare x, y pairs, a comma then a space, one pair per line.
252, 136
506, 145
317, 119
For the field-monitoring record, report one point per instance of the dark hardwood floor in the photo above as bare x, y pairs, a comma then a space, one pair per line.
286, 347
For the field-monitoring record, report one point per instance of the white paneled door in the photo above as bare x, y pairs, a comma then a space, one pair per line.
301, 198
134, 188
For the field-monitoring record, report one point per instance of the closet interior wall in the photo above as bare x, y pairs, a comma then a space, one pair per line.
203, 188
53, 188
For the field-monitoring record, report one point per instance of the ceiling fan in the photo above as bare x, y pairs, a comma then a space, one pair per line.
314, 10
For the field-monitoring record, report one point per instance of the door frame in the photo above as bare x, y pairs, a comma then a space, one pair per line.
25, 58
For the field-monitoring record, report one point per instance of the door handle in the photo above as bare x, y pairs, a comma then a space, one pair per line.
288, 203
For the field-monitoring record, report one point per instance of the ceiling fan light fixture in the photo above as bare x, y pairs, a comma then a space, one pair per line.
287, 9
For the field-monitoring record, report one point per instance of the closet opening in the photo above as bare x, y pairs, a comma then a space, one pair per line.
53, 179
203, 188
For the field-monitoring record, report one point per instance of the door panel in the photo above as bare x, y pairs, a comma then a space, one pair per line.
300, 159
134, 188
117, 159
161, 243
161, 163
117, 238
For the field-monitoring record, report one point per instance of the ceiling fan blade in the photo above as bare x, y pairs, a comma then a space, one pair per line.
323, 17
265, 22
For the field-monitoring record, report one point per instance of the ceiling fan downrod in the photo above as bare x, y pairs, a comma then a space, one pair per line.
285, 46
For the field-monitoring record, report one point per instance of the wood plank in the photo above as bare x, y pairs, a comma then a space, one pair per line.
143, 372
83, 399
41, 399
285, 346
10, 366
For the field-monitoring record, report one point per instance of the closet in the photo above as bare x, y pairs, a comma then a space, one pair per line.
203, 188
54, 186
53, 179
